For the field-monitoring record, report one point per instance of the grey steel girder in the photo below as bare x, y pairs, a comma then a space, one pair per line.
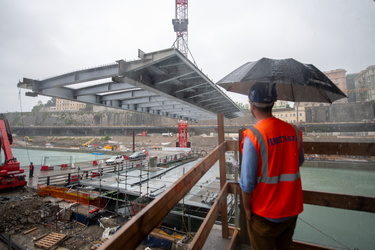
163, 82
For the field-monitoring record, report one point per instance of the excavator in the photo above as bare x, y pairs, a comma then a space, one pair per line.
9, 170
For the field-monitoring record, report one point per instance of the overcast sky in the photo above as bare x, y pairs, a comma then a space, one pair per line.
40, 38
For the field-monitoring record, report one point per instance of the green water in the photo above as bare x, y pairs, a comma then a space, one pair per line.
41, 157
337, 228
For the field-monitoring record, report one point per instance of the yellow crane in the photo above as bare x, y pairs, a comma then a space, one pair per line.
28, 139
87, 143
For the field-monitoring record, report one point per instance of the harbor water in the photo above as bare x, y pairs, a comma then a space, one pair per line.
335, 228
49, 157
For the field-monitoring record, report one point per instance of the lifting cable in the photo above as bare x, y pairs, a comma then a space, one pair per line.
320, 231
23, 123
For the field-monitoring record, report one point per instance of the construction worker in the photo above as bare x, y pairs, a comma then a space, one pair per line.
270, 178
31, 168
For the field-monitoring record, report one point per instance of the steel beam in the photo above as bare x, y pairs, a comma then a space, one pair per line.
79, 76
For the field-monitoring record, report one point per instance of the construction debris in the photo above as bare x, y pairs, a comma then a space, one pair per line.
29, 218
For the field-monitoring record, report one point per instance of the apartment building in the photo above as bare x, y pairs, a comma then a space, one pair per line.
66, 105
294, 115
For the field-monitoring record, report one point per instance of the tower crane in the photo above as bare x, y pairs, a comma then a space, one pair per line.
180, 26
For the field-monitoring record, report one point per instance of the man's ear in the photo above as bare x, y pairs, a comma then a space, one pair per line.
251, 106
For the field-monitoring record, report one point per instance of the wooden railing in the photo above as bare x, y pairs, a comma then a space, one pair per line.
136, 230
130, 235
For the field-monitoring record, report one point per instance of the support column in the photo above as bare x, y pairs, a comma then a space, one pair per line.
133, 141
223, 176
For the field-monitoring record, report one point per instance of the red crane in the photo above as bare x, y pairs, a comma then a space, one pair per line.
183, 134
10, 169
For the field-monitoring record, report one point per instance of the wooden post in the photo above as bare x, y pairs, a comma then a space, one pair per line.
244, 233
223, 176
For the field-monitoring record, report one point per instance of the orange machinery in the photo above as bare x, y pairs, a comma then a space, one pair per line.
9, 170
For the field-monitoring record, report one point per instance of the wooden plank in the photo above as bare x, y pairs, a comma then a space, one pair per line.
339, 148
30, 230
244, 233
233, 244
234, 144
299, 245
351, 202
43, 235
332, 148
81, 224
137, 228
205, 228
234, 188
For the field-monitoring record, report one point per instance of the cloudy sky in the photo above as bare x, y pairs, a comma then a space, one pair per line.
40, 38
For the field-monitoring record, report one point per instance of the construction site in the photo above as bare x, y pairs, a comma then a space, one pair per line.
75, 204
152, 187
81, 205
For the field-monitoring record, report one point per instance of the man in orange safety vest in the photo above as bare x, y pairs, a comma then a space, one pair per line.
31, 168
270, 178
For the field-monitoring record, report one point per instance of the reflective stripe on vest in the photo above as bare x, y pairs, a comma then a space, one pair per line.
298, 137
264, 154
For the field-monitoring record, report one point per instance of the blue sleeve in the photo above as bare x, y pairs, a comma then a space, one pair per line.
249, 167
301, 157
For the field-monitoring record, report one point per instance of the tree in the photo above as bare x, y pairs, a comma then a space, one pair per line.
37, 108
51, 103
243, 106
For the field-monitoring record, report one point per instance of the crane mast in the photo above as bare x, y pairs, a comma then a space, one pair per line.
180, 26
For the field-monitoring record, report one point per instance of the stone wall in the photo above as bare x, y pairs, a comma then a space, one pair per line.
101, 119
346, 112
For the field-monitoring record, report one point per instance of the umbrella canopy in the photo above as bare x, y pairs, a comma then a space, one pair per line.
295, 81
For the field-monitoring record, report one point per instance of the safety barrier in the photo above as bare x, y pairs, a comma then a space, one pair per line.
97, 170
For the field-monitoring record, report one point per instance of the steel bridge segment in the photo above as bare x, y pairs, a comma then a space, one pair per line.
162, 109
163, 83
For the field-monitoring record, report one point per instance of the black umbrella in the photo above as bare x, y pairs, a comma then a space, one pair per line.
294, 81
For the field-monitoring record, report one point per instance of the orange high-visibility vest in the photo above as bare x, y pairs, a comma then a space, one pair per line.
278, 192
